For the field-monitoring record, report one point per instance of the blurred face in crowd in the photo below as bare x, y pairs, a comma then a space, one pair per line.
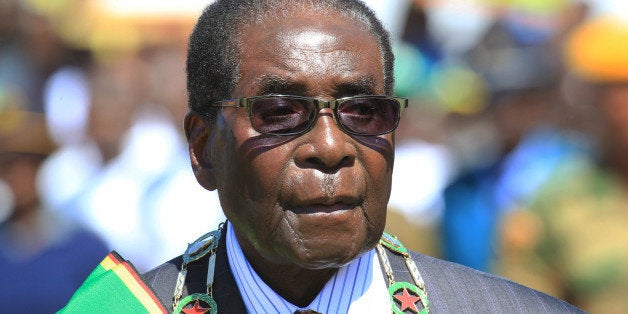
19, 172
117, 92
315, 200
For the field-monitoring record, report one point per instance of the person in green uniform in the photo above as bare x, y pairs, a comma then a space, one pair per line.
572, 241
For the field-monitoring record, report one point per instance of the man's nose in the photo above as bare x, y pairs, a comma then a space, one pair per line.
327, 147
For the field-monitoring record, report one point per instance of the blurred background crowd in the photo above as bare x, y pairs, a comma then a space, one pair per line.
512, 158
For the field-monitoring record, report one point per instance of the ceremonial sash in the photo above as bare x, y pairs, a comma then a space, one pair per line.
114, 287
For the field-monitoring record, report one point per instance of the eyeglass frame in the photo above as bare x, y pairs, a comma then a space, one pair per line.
245, 102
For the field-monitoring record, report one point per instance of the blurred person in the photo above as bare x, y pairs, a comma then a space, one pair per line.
522, 71
98, 180
572, 241
43, 256
292, 120
125, 175
67, 98
422, 161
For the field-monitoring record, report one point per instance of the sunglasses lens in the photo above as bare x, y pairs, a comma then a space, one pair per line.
282, 115
285, 115
369, 115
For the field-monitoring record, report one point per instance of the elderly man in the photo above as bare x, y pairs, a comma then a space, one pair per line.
292, 122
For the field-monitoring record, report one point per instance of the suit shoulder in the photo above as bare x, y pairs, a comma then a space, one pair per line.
171, 266
162, 279
453, 287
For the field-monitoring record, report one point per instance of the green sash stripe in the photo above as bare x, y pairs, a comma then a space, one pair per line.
113, 287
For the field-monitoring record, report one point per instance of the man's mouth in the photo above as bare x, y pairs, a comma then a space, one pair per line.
324, 205
321, 208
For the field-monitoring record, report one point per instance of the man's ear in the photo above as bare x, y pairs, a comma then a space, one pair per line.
200, 141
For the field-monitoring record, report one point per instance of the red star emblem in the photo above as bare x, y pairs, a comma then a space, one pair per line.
196, 309
408, 301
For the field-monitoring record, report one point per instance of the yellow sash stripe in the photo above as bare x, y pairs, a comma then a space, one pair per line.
131, 283
139, 291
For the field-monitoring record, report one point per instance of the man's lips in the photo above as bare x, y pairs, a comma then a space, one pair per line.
324, 205
320, 208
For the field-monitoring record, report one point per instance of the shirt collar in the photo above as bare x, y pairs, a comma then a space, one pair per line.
358, 287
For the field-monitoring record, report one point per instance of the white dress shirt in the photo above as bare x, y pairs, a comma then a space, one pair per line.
358, 287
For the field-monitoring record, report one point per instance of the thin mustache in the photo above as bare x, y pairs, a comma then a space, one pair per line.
329, 186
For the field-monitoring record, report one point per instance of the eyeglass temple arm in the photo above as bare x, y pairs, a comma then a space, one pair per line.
236, 102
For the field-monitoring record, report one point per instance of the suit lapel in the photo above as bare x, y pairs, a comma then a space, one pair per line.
226, 292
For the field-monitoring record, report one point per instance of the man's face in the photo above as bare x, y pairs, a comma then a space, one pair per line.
319, 199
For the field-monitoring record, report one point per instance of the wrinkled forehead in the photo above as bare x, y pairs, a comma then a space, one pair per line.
307, 30
310, 52
305, 27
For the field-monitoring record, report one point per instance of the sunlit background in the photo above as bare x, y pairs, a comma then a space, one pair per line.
512, 158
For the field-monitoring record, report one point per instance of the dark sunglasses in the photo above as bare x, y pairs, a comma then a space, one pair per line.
293, 115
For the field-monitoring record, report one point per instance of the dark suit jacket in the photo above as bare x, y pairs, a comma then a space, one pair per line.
451, 288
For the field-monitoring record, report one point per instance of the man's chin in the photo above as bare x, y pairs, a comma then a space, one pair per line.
325, 263
327, 256
319, 246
